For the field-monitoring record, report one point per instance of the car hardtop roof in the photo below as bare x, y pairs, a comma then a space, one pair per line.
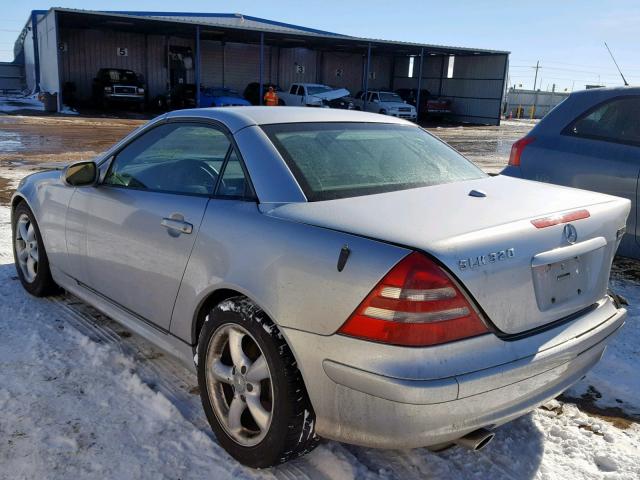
621, 89
236, 118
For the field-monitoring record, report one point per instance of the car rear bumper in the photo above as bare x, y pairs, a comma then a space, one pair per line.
391, 401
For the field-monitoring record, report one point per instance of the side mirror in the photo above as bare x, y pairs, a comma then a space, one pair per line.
81, 174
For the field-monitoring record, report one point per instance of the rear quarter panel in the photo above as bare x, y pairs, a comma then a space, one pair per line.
288, 268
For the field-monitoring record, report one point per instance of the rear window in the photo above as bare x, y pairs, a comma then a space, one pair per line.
340, 160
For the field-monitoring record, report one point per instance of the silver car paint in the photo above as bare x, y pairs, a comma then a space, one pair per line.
123, 251
445, 221
284, 257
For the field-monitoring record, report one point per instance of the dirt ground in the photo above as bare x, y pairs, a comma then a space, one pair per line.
32, 142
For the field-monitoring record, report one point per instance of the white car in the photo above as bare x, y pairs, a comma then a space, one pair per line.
311, 95
386, 103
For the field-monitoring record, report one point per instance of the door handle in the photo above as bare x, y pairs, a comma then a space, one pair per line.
179, 225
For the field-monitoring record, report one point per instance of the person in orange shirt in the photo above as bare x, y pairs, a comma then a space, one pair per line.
271, 98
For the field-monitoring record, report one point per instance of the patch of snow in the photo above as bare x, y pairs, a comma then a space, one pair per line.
615, 381
12, 103
66, 110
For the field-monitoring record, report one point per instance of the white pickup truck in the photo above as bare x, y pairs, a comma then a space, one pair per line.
386, 103
311, 95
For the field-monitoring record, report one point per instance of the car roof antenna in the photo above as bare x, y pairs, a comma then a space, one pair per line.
626, 84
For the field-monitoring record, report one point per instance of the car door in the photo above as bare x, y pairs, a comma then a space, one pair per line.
142, 219
599, 151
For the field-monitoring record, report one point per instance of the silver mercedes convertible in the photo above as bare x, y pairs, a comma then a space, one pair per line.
331, 274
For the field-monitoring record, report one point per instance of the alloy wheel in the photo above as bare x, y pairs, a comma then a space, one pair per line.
239, 384
27, 248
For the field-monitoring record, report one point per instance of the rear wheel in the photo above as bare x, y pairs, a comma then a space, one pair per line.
251, 389
29, 254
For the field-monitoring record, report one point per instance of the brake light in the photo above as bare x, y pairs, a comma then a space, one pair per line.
416, 304
516, 150
552, 220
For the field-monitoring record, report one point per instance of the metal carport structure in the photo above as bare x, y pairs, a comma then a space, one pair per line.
232, 50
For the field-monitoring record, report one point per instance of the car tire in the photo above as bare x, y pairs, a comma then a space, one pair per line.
251, 389
30, 257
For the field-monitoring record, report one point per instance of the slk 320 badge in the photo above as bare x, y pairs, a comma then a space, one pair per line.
481, 260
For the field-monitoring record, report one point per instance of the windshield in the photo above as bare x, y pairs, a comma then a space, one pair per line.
122, 76
318, 89
340, 160
390, 97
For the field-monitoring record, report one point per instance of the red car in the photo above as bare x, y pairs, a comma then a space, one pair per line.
430, 105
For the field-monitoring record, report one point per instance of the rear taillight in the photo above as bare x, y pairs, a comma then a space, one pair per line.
416, 304
517, 149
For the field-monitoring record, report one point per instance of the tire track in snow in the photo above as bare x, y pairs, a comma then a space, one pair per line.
168, 376
162, 373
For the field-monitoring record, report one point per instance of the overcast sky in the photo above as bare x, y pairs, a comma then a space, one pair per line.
566, 36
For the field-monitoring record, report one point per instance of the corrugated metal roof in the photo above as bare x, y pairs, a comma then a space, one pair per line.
240, 22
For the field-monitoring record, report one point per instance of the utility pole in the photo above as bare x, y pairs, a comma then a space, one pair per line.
535, 80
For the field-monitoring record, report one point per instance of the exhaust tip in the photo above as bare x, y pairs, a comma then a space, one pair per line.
476, 440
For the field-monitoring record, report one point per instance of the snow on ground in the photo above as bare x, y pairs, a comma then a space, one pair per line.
80, 397
13, 103
615, 382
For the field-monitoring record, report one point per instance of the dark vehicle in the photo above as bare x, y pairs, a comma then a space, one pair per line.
182, 95
345, 103
252, 92
591, 141
430, 105
117, 85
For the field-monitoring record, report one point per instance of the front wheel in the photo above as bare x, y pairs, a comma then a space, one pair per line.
29, 254
251, 389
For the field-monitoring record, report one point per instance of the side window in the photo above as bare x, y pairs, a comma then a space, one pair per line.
615, 121
234, 182
174, 158
300, 90
293, 90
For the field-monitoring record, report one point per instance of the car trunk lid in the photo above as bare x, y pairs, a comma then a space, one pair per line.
522, 276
